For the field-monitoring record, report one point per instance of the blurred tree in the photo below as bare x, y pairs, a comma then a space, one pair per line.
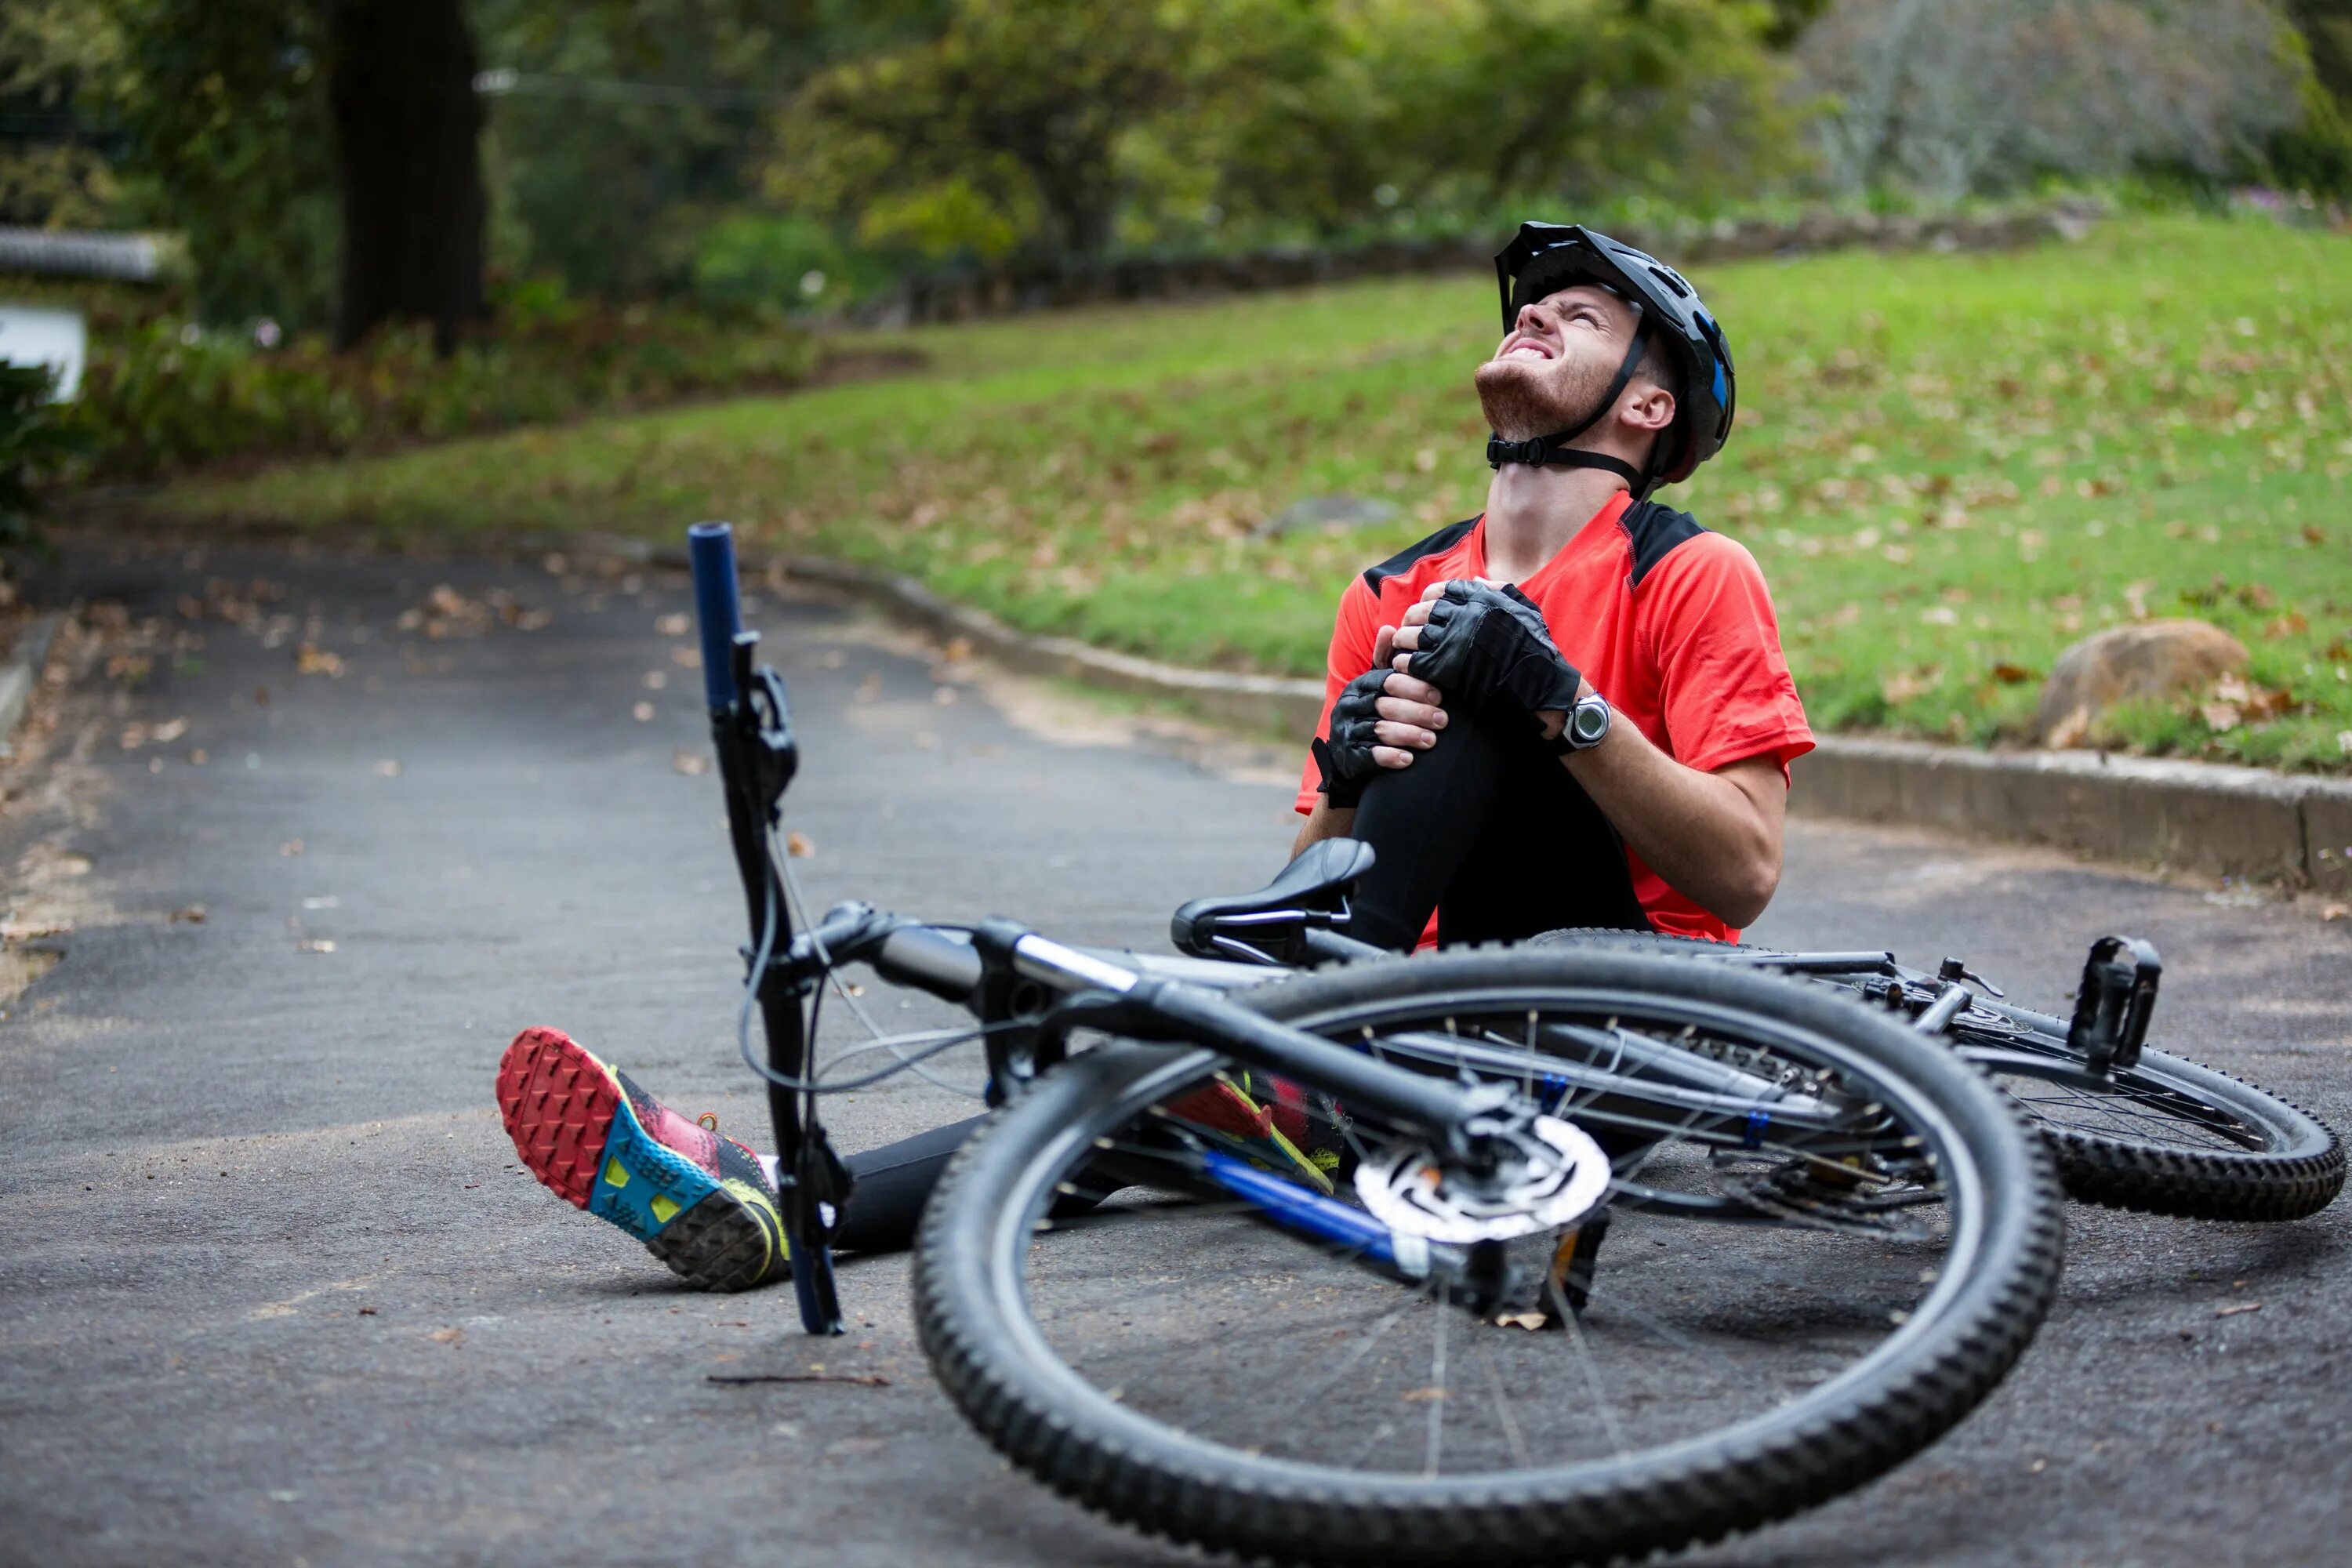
408, 166
55, 170
1790, 19
1004, 128
1042, 120
224, 104
2317, 154
627, 131
1960, 97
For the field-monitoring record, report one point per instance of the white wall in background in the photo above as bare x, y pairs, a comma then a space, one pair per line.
43, 335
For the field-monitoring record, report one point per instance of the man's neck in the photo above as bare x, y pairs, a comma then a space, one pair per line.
1532, 513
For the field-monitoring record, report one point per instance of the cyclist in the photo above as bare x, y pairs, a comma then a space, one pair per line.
1570, 710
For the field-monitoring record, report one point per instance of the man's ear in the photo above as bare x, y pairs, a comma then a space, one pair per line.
1646, 407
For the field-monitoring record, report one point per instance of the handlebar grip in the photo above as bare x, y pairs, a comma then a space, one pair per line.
717, 606
921, 957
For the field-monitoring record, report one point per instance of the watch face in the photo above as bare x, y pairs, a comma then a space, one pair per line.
1589, 721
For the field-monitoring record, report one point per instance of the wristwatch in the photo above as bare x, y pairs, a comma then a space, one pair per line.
1585, 727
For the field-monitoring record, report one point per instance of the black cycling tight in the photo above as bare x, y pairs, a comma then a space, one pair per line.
1487, 828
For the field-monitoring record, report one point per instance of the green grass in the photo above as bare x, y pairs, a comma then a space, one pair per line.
1950, 466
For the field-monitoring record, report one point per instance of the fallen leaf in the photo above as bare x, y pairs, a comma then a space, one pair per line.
686, 658
860, 1380
2012, 674
2241, 1307
447, 1336
311, 660
2290, 625
798, 845
2219, 716
693, 764
643, 712
1520, 1320
314, 944
2314, 534
323, 902
291, 847
29, 931
367, 1311
2334, 912
655, 680
1903, 685
388, 768
672, 625
188, 914
198, 757
1422, 1395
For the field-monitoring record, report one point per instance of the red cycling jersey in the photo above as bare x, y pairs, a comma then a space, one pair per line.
1670, 623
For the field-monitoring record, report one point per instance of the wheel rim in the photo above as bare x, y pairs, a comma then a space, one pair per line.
2142, 1105
1244, 1344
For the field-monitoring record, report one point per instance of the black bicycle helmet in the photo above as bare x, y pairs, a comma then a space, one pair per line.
1544, 258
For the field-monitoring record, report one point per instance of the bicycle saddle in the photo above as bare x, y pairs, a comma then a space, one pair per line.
1312, 890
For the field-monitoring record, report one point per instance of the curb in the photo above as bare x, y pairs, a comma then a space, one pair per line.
2190, 817
2201, 818
22, 671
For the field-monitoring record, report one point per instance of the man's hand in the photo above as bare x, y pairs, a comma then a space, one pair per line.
1381, 719
1490, 646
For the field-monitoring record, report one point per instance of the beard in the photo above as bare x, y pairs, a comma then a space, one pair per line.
1527, 399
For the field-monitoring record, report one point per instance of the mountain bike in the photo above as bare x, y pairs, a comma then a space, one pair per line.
1312, 1269
2131, 1127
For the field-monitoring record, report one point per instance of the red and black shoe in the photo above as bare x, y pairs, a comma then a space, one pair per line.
700, 1202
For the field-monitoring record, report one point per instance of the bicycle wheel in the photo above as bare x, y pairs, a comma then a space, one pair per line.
1825, 1246
2167, 1136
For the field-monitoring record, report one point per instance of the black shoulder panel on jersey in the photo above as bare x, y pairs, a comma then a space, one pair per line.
1654, 531
1437, 544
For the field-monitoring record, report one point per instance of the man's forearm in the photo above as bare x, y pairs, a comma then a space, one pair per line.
1326, 821
1715, 837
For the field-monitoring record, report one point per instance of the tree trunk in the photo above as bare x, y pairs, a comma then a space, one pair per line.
408, 160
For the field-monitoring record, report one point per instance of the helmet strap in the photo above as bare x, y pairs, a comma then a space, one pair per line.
1553, 451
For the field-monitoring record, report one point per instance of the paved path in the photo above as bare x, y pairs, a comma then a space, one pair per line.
274, 1290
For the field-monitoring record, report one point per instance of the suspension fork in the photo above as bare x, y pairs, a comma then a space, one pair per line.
751, 728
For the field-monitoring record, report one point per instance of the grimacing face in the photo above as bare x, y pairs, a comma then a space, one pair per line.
1557, 359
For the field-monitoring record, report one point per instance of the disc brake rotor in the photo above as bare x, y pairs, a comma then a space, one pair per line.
1407, 1189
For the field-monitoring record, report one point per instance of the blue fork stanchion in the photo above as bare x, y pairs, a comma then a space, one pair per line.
755, 761
717, 606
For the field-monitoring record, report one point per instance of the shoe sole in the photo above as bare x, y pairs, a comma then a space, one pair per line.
574, 1130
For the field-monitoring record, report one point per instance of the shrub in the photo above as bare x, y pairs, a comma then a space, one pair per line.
161, 394
34, 439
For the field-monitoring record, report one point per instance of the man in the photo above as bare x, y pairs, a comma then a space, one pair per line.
1572, 709
1568, 710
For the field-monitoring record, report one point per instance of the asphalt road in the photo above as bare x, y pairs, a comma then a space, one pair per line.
273, 1290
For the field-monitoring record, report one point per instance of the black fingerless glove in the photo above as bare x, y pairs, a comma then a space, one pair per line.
1346, 758
1489, 649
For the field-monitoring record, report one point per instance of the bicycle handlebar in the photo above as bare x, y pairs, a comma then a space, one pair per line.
717, 606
